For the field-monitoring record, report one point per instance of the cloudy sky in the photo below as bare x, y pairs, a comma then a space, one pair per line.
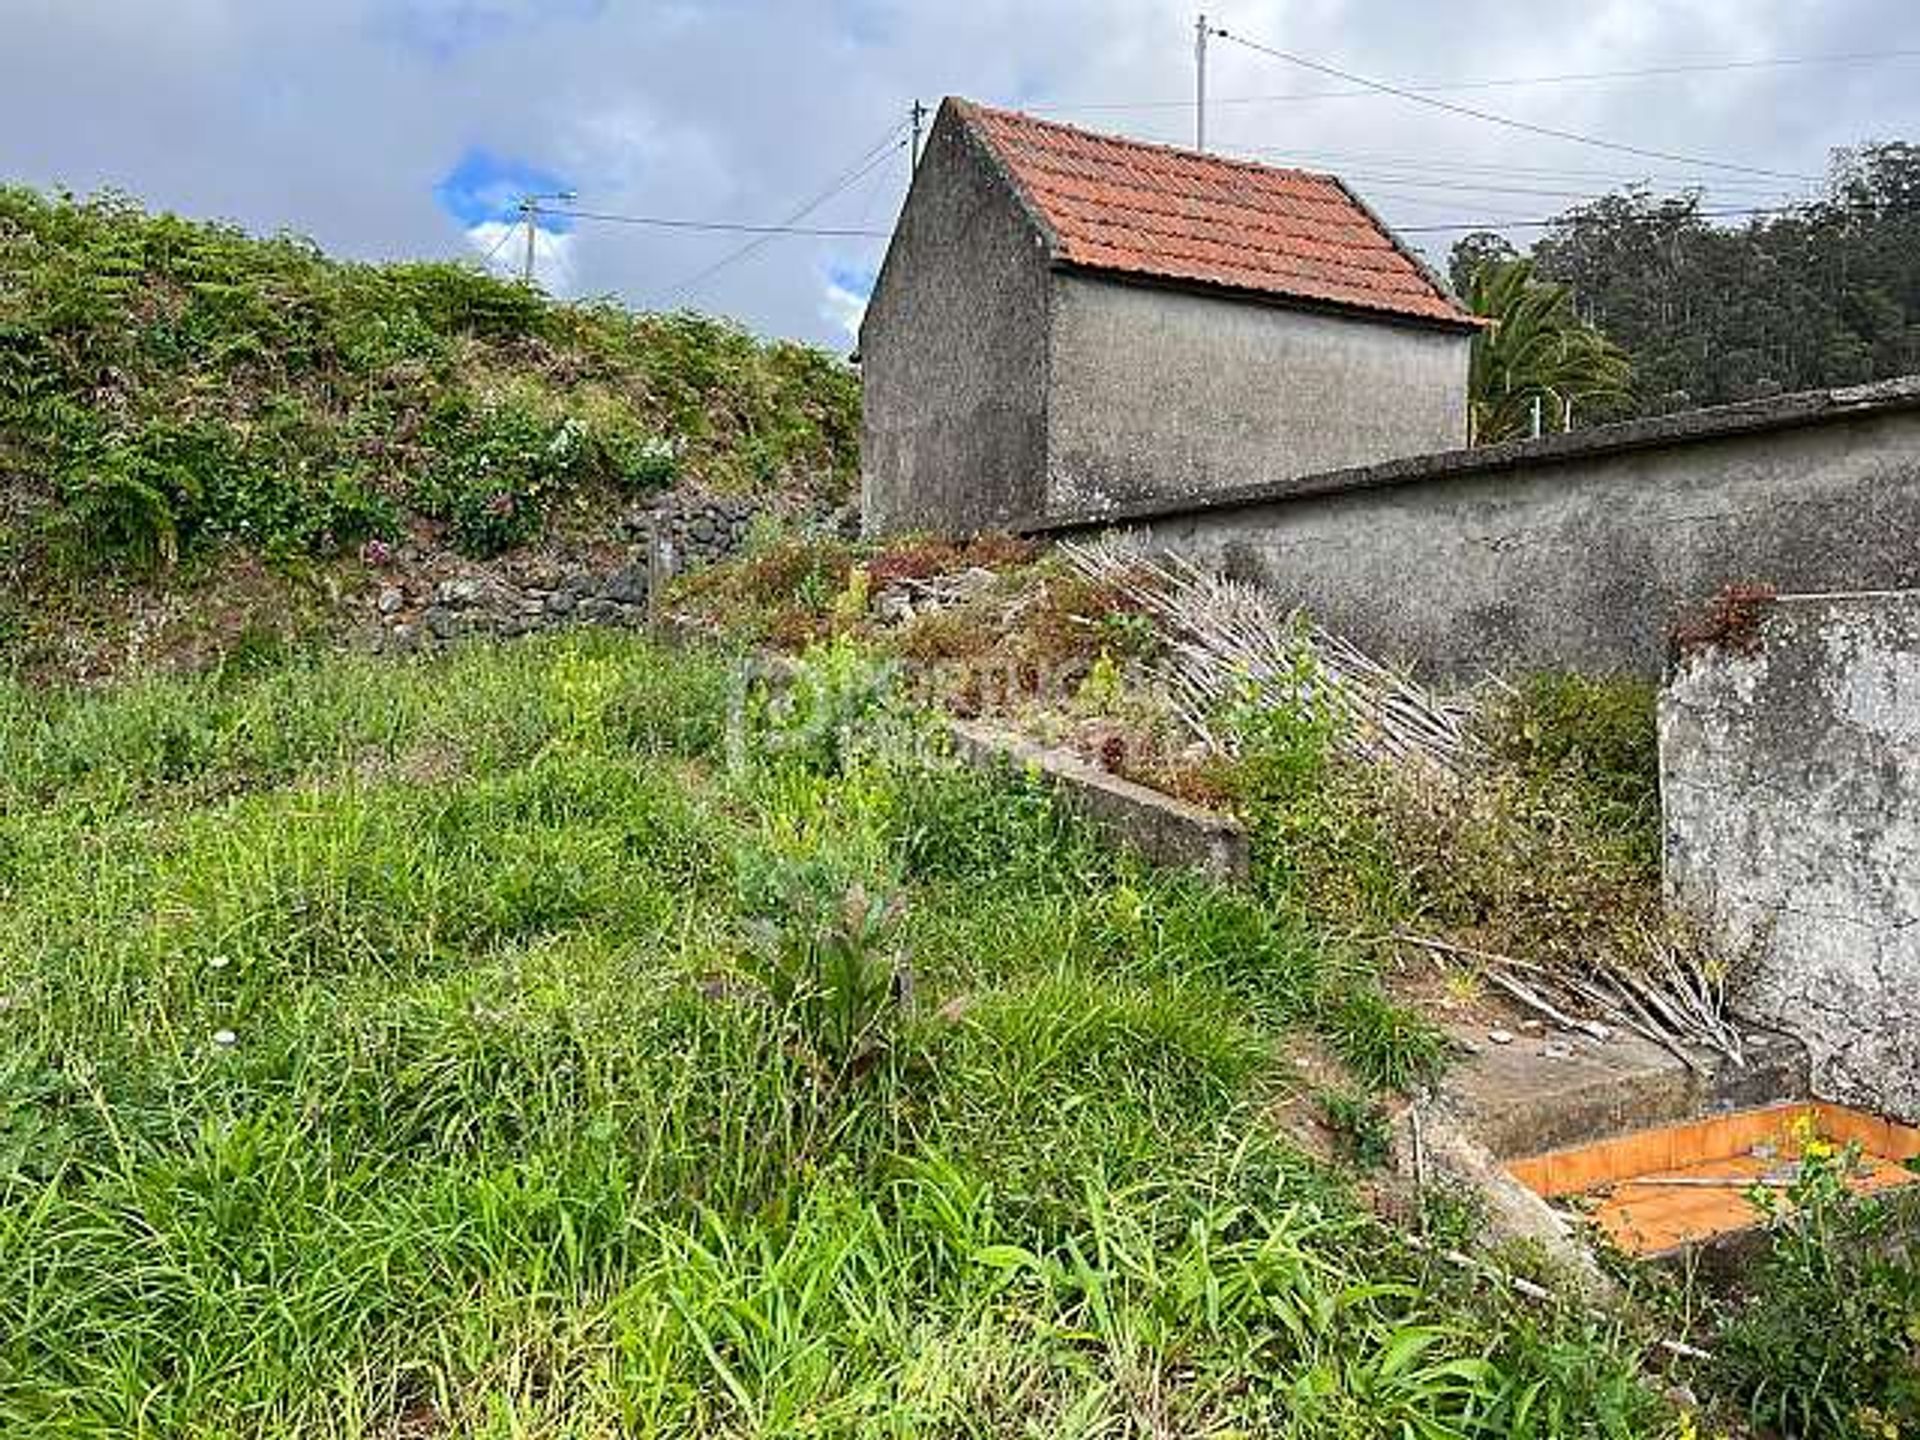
390, 128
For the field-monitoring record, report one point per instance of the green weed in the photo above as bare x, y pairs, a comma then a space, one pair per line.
377, 1058
1361, 1127
1825, 1338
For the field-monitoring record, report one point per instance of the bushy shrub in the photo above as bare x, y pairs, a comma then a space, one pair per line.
1594, 738
171, 385
139, 499
640, 463
492, 463
1318, 840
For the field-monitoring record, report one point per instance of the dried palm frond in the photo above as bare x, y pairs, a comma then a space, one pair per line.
1229, 643
1677, 1002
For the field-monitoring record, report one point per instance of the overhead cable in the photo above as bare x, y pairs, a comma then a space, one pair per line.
1506, 82
1491, 118
665, 222
893, 141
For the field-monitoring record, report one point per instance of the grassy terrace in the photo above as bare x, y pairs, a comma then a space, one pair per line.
407, 1050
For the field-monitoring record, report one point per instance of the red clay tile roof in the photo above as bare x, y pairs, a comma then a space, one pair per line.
1140, 209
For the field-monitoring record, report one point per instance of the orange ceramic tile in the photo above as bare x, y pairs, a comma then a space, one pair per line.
1903, 1142
1123, 205
1745, 1130
1576, 1171
1534, 1173
1646, 1217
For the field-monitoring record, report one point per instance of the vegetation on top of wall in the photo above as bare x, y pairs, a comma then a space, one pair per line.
169, 386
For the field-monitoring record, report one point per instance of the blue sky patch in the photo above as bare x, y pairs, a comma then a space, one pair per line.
854, 279
485, 186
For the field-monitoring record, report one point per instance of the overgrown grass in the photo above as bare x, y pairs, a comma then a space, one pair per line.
167, 387
383, 1056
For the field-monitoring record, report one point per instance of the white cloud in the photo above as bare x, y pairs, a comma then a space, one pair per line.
502, 247
337, 121
843, 308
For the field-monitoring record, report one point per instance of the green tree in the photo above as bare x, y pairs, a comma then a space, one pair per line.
1536, 352
1825, 293
1471, 253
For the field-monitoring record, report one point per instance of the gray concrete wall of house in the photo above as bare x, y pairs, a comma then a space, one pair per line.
1163, 392
1790, 780
953, 351
1581, 550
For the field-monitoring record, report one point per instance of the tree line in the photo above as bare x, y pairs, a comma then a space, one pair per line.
1642, 304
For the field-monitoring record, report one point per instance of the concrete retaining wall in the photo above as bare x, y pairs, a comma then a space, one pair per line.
1790, 771
1580, 550
1159, 827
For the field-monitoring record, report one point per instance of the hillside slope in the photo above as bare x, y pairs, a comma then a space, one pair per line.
178, 397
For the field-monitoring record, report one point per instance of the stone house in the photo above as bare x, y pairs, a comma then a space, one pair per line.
1067, 321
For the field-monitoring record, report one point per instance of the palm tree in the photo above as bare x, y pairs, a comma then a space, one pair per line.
1537, 357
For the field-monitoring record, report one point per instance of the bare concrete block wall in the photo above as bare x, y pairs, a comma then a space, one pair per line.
1155, 391
1577, 551
1791, 786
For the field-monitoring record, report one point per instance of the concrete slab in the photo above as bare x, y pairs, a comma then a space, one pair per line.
1162, 829
1551, 1091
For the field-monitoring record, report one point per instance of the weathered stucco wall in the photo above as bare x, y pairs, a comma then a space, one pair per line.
1582, 550
1791, 786
1157, 391
953, 352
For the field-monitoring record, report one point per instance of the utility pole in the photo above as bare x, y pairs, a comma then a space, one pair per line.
1200, 82
918, 115
530, 208
530, 212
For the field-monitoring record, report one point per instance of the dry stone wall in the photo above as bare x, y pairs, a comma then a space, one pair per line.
426, 599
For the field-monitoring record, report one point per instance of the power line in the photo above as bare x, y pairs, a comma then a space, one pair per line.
1504, 171
893, 141
1714, 214
1491, 118
1374, 192
665, 222
1462, 170
1499, 168
505, 235
1506, 82
1458, 185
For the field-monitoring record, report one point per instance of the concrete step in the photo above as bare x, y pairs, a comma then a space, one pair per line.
1554, 1090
